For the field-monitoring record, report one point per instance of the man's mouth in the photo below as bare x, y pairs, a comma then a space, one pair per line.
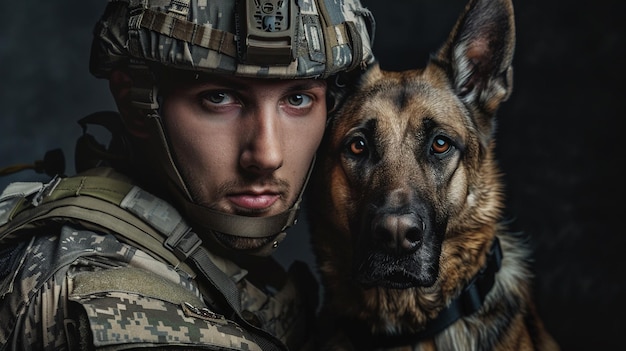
253, 202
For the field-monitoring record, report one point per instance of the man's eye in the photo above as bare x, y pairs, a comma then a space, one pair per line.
299, 100
218, 98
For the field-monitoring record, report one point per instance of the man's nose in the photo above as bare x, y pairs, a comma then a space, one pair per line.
263, 152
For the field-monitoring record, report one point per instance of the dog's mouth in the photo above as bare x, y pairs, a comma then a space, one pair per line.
381, 270
392, 279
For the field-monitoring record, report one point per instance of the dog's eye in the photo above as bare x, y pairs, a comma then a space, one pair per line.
440, 145
358, 146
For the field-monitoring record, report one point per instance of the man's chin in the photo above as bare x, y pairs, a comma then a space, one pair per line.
243, 244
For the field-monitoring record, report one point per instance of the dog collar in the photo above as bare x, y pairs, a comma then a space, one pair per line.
467, 303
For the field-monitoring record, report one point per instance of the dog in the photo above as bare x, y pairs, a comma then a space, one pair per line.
406, 207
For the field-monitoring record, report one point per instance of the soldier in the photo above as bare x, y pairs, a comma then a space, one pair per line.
162, 239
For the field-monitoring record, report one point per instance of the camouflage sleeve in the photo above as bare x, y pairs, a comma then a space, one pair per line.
31, 301
82, 290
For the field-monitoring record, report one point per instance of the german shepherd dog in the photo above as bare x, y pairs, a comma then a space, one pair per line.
406, 205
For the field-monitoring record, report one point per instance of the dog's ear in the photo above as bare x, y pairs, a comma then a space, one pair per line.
478, 56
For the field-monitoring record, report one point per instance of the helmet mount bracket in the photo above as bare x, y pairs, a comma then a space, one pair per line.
266, 31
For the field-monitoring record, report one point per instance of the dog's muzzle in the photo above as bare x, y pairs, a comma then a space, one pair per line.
399, 245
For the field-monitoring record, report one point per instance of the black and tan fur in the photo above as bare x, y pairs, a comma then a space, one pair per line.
407, 200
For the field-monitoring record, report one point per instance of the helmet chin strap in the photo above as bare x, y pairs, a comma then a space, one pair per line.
208, 221
273, 227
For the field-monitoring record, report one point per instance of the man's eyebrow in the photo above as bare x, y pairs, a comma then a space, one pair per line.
241, 84
224, 81
307, 84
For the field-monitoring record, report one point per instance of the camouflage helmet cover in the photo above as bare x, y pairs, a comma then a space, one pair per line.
248, 38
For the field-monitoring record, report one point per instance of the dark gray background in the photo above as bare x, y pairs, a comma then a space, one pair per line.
560, 141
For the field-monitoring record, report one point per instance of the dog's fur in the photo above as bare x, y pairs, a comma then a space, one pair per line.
407, 200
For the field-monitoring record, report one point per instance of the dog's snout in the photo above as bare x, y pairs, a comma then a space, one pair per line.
398, 234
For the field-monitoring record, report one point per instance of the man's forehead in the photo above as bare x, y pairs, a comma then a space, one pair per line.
247, 81
234, 82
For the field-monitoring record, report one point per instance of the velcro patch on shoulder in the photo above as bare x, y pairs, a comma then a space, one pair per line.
136, 280
122, 318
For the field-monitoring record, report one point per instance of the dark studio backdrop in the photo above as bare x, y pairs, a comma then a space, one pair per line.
560, 142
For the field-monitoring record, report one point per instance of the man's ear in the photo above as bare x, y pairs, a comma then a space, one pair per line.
120, 84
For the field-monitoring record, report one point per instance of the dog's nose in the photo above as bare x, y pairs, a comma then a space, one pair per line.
398, 234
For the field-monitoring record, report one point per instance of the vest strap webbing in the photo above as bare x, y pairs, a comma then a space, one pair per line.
95, 203
227, 287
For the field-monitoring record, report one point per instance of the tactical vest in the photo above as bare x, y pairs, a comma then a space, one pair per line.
105, 201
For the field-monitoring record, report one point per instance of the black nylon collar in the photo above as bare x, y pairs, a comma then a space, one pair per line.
467, 303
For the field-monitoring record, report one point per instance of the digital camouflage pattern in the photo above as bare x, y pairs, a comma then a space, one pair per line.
59, 278
81, 288
324, 36
121, 318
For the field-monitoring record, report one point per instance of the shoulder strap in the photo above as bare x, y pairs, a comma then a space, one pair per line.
96, 203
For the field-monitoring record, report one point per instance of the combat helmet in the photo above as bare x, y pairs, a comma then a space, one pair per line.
281, 39
253, 38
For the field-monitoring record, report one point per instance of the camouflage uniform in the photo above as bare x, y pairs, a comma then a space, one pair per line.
66, 287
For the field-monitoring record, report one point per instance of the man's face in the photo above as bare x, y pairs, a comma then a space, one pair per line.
243, 145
